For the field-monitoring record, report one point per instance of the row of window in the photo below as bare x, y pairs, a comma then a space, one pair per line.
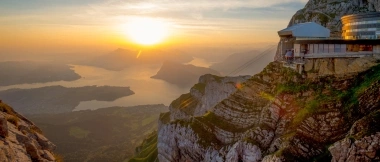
363, 22
363, 37
365, 29
334, 48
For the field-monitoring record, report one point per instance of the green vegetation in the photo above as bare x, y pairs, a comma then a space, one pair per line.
35, 129
109, 134
200, 87
217, 78
149, 119
78, 132
7, 109
58, 157
147, 151
292, 87
220, 122
186, 103
165, 117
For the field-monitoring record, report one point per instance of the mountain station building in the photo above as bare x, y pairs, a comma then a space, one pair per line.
360, 38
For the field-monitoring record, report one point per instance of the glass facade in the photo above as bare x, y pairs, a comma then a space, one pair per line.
332, 48
361, 26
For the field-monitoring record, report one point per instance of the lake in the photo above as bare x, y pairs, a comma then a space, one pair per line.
147, 90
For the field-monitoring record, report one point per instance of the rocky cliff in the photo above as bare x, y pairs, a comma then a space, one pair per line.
327, 113
21, 140
329, 12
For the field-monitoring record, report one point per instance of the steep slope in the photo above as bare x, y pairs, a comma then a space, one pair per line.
21, 140
329, 12
203, 96
280, 115
182, 75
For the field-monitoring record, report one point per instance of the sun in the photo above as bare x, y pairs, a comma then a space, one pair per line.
147, 31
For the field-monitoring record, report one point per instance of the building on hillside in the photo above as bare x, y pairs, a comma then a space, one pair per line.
360, 38
361, 26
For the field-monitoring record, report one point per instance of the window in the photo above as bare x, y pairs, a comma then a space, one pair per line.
337, 48
311, 48
320, 48
316, 48
325, 48
343, 48
331, 48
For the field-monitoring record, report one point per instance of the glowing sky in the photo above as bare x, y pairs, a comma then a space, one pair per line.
82, 24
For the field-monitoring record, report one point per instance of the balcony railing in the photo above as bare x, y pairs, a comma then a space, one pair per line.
342, 54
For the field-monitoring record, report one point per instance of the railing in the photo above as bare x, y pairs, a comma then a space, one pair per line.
293, 60
313, 38
342, 54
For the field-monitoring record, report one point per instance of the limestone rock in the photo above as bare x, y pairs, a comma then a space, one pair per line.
364, 149
20, 139
278, 115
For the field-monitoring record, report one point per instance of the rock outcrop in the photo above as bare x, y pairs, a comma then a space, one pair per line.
280, 115
329, 12
21, 140
204, 95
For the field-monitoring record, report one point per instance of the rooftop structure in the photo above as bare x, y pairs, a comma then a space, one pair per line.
305, 30
360, 38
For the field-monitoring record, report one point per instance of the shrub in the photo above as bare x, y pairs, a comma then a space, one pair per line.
58, 158
14, 120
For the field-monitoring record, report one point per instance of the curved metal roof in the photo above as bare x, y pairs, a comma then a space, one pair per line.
309, 29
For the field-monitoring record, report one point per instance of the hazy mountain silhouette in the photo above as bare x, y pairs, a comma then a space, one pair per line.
236, 60
59, 99
124, 58
21, 72
180, 74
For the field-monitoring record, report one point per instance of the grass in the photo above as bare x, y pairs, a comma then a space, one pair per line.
14, 120
200, 87
217, 78
185, 103
58, 157
220, 122
35, 129
148, 151
165, 118
293, 88
7, 109
78, 132
148, 120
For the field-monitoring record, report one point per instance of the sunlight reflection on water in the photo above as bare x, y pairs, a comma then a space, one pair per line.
147, 90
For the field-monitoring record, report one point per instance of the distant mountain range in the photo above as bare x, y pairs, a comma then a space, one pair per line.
124, 58
22, 72
59, 99
231, 65
180, 74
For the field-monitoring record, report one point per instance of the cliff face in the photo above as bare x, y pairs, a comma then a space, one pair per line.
325, 114
21, 140
203, 96
329, 12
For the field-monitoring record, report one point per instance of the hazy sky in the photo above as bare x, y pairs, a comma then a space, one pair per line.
74, 25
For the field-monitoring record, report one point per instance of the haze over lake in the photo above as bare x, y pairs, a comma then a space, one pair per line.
147, 90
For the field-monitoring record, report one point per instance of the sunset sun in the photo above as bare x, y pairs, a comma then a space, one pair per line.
146, 31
